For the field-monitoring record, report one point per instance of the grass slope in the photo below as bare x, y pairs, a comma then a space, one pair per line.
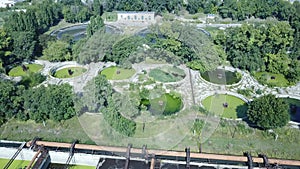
66, 131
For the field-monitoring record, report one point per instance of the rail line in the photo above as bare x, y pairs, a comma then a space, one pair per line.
167, 153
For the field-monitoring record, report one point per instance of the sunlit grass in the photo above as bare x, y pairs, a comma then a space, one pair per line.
236, 106
116, 73
31, 68
64, 73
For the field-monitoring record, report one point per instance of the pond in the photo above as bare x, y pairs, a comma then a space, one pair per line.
163, 105
221, 76
294, 109
69, 72
79, 31
227, 106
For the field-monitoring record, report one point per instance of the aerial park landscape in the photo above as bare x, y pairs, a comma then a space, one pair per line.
176, 81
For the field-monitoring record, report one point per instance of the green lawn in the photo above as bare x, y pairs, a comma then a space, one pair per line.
24, 163
66, 131
271, 79
18, 71
116, 73
167, 74
236, 107
64, 73
15, 165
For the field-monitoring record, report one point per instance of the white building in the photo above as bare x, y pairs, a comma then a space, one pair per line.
132, 16
6, 3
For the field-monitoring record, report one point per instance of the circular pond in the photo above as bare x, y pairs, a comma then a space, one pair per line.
25, 69
116, 73
69, 72
221, 76
294, 109
167, 74
166, 104
79, 31
227, 106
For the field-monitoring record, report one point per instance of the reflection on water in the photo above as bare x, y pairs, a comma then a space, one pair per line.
79, 31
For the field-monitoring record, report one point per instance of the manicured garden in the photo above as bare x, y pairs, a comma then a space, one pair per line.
167, 74
116, 73
271, 79
25, 69
69, 72
226, 106
221, 76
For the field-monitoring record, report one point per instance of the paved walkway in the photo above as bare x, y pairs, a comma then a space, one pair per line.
77, 82
201, 88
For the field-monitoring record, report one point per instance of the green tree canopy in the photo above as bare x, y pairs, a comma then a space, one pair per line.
97, 47
51, 102
10, 100
57, 51
24, 45
96, 23
268, 112
96, 93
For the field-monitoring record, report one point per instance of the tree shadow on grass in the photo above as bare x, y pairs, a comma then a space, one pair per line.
242, 113
242, 110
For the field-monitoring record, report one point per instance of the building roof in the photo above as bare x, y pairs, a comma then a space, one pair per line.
137, 12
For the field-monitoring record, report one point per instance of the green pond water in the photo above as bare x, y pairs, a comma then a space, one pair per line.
221, 76
164, 105
294, 109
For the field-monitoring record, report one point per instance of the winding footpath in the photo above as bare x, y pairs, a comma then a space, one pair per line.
200, 87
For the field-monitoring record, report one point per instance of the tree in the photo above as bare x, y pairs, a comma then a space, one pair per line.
97, 8
95, 24
197, 130
5, 47
97, 47
194, 6
268, 112
128, 105
10, 101
24, 45
123, 48
57, 51
96, 93
51, 102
